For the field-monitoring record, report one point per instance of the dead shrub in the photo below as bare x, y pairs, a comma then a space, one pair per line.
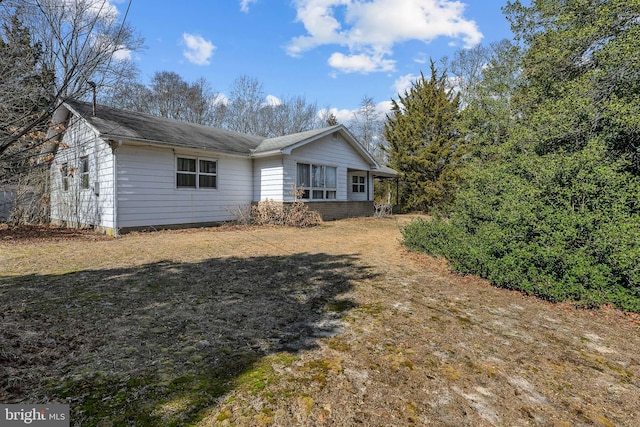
242, 214
296, 214
382, 210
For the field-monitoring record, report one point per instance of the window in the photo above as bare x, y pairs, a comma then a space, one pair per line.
84, 172
358, 184
64, 174
196, 173
317, 182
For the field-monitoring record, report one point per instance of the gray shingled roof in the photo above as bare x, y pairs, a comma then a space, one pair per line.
126, 125
385, 172
281, 142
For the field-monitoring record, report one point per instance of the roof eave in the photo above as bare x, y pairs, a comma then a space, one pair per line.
384, 174
162, 144
269, 153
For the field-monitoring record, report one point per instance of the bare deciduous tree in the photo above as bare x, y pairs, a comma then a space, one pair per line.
368, 127
78, 41
51, 50
291, 115
246, 99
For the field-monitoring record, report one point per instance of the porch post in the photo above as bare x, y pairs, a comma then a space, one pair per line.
368, 188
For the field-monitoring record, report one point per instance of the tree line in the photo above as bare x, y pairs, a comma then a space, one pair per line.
246, 109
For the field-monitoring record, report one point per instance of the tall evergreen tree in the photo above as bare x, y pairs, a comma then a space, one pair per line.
582, 78
24, 89
424, 142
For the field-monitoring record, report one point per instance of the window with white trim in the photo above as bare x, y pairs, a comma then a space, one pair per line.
64, 175
194, 172
358, 184
84, 172
317, 182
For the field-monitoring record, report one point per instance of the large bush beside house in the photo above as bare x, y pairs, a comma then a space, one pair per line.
550, 202
562, 227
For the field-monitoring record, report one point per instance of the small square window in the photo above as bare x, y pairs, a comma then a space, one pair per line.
358, 184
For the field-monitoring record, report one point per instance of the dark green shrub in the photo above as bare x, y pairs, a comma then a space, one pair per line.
564, 227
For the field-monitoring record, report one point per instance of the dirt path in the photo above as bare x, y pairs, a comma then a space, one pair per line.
336, 325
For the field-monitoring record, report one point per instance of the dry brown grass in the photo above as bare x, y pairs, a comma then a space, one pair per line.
332, 325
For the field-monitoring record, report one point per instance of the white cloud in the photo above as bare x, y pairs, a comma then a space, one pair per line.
403, 83
342, 116
273, 101
244, 5
122, 54
345, 116
361, 63
384, 107
371, 28
106, 44
90, 9
220, 99
421, 58
198, 50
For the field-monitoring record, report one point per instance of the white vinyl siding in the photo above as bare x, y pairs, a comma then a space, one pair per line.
359, 187
83, 196
329, 151
147, 192
195, 172
268, 180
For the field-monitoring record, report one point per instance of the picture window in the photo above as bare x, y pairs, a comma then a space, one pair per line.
317, 182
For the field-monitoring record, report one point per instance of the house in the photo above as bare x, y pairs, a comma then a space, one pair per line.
118, 171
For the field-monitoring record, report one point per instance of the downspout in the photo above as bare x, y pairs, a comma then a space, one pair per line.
284, 191
114, 147
96, 182
253, 181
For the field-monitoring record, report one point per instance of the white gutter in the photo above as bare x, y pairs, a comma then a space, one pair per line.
265, 154
165, 145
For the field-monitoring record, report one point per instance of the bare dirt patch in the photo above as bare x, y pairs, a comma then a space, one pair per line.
40, 233
335, 325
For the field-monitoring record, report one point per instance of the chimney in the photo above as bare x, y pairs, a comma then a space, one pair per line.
93, 104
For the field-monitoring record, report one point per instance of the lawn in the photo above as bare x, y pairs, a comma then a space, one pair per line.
334, 325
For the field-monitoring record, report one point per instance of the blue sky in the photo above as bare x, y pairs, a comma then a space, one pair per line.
332, 52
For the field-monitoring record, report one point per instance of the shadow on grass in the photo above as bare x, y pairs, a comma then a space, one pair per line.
160, 343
